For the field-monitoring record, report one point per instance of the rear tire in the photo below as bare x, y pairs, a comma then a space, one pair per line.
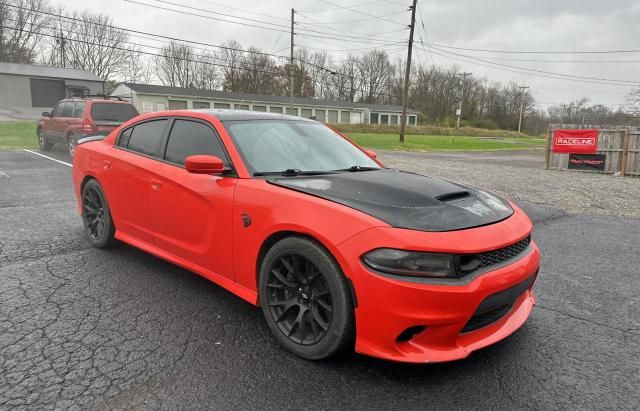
305, 299
72, 143
43, 141
96, 216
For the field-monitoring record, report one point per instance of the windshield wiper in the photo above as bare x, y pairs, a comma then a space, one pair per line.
292, 172
354, 169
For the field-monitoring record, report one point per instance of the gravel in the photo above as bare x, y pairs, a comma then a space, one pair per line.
575, 192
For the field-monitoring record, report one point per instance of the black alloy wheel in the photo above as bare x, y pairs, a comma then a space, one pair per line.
96, 216
306, 299
299, 299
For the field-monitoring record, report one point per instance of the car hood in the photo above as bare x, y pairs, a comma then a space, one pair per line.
405, 200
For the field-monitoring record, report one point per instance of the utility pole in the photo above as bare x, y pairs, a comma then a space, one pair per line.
62, 43
407, 73
459, 112
523, 88
293, 12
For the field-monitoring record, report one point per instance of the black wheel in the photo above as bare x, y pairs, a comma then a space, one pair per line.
43, 141
96, 216
306, 299
72, 142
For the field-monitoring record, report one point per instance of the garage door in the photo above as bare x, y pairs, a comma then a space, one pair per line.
46, 93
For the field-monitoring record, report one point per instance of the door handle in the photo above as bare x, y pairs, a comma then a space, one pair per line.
156, 184
106, 164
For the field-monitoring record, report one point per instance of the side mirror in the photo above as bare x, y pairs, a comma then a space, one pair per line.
371, 153
46, 114
202, 164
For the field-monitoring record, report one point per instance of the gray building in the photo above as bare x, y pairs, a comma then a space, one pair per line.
30, 85
148, 98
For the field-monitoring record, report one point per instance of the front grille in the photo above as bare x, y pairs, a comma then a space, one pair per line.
496, 257
482, 320
472, 263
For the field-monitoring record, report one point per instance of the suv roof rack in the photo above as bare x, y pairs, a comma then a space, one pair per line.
103, 96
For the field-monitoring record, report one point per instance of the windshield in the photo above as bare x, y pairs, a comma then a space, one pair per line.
271, 146
113, 112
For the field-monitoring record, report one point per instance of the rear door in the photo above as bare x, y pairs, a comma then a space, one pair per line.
137, 153
191, 213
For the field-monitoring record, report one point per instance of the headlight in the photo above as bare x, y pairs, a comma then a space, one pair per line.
400, 262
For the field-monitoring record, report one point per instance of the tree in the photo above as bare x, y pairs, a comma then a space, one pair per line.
375, 71
92, 43
632, 104
22, 28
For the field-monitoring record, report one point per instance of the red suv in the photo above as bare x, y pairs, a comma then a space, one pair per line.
75, 118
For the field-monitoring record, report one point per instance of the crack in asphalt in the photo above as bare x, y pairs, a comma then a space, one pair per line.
632, 331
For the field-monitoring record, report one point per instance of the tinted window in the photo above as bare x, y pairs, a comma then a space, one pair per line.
67, 110
189, 138
79, 109
146, 137
57, 110
123, 141
113, 112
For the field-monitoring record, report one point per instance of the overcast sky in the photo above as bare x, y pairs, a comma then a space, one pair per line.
539, 25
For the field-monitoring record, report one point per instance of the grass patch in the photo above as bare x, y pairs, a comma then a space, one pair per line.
18, 134
431, 143
426, 130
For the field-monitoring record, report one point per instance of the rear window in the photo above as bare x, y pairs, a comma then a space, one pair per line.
112, 112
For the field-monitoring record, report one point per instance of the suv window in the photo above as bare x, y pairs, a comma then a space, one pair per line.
57, 110
189, 138
146, 137
67, 109
113, 112
78, 111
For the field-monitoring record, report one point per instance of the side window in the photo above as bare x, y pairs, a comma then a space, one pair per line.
67, 109
123, 140
146, 137
78, 111
189, 138
57, 110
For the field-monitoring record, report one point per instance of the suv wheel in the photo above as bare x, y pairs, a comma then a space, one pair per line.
43, 141
72, 143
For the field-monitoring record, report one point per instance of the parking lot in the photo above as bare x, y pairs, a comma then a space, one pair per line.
86, 328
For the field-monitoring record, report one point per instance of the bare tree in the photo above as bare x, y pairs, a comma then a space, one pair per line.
22, 27
375, 72
231, 57
92, 43
175, 65
632, 103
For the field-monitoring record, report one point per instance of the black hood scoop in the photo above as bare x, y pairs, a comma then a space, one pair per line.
405, 200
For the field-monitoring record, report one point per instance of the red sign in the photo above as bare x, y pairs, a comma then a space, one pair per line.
575, 141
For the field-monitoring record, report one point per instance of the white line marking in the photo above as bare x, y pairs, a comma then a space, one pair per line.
47, 157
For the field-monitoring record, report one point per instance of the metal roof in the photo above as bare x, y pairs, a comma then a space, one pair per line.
254, 98
34, 70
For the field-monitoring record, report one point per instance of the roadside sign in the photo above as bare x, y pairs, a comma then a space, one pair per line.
588, 162
575, 141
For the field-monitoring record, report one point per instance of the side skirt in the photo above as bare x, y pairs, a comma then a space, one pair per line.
242, 292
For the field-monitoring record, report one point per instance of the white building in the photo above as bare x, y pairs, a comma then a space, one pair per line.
148, 98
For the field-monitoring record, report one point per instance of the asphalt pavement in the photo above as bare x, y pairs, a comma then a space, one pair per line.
86, 328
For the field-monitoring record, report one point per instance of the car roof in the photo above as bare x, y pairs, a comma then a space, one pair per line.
240, 115
95, 100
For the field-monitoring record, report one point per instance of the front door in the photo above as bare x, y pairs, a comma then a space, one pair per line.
191, 213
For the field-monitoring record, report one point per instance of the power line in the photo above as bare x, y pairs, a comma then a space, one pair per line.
538, 51
539, 71
522, 72
360, 12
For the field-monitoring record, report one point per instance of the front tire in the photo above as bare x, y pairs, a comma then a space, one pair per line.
305, 299
43, 141
96, 216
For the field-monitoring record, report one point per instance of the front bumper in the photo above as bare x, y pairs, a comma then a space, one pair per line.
388, 307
